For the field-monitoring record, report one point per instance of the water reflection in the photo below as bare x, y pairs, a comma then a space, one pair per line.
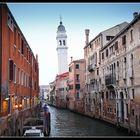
66, 123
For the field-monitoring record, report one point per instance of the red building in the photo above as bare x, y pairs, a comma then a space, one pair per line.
19, 71
76, 85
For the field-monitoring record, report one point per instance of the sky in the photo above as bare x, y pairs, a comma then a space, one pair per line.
39, 21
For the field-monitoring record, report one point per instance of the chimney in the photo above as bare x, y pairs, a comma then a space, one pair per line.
71, 58
87, 36
135, 14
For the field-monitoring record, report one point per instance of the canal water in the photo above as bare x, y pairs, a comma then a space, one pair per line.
65, 123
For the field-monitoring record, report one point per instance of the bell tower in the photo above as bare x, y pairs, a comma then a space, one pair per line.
62, 48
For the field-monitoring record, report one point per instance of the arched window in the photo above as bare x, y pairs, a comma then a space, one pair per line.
60, 43
64, 42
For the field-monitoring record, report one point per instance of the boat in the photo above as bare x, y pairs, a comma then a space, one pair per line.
33, 132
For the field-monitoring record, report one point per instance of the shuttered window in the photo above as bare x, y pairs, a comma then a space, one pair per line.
124, 40
11, 70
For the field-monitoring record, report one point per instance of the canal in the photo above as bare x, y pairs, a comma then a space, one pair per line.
65, 123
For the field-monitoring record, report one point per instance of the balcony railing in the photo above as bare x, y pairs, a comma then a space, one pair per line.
110, 80
77, 80
91, 67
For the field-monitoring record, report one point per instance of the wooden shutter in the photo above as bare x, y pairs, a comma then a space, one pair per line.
11, 72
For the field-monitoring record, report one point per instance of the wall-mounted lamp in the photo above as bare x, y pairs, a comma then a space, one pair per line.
16, 106
7, 98
20, 105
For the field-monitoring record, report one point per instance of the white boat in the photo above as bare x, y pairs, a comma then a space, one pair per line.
33, 132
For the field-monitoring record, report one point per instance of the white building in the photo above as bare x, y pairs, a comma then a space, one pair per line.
62, 49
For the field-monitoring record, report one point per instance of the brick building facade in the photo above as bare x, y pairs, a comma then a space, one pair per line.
19, 70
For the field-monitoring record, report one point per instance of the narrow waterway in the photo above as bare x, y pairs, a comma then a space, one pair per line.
65, 123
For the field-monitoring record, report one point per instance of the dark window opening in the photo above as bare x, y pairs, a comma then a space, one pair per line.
131, 35
124, 40
107, 95
97, 71
11, 70
106, 52
109, 38
102, 55
116, 45
64, 42
77, 86
133, 112
70, 69
60, 43
77, 66
133, 93
22, 47
15, 35
70, 87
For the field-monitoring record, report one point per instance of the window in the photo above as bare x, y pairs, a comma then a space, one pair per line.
25, 102
22, 47
70, 69
14, 73
127, 110
103, 55
70, 87
77, 86
133, 93
124, 40
25, 79
64, 42
77, 66
11, 70
19, 41
77, 95
14, 35
25, 50
109, 38
97, 71
19, 75
60, 43
131, 35
27, 53
22, 75
111, 50
116, 45
124, 59
102, 95
107, 95
32, 84
77, 77
133, 112
131, 66
10, 22
106, 52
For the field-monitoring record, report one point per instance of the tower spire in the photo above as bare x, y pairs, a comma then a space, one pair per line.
60, 19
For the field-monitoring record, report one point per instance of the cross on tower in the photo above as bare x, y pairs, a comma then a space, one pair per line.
60, 18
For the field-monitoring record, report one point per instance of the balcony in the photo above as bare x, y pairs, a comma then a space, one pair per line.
91, 67
77, 80
110, 80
